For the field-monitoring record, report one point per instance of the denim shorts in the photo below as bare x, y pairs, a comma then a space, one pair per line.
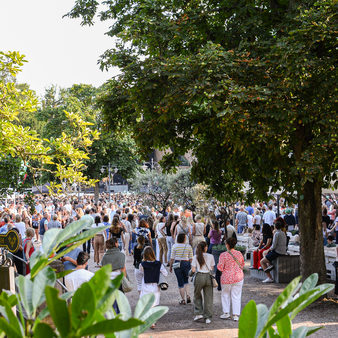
182, 273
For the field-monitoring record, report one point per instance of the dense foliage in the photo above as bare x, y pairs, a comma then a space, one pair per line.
247, 86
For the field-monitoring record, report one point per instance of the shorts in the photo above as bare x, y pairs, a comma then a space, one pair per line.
272, 255
182, 273
35, 225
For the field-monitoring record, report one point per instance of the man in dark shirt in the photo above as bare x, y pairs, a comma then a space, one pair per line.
290, 220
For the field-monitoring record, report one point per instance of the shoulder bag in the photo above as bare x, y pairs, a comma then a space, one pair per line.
177, 265
235, 259
212, 277
127, 286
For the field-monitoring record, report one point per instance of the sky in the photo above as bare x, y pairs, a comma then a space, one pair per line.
59, 50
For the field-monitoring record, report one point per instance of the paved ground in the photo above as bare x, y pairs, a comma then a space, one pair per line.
178, 322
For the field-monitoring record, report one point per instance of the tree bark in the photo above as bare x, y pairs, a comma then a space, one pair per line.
96, 192
312, 257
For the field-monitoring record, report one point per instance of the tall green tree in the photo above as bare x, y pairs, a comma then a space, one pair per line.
247, 86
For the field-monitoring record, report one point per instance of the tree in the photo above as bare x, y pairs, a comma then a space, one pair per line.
65, 152
160, 190
247, 86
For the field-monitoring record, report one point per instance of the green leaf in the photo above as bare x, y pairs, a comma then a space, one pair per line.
273, 333
315, 294
248, 321
300, 332
25, 286
42, 279
63, 273
151, 317
144, 304
284, 326
123, 304
83, 307
309, 283
263, 313
8, 329
284, 296
110, 326
49, 240
313, 329
73, 229
43, 330
58, 311
7, 313
100, 282
38, 265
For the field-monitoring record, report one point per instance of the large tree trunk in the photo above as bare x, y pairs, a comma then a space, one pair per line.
96, 192
311, 235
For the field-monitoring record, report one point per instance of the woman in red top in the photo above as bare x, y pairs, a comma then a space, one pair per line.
231, 264
28, 247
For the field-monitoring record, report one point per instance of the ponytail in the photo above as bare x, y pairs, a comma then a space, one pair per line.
199, 253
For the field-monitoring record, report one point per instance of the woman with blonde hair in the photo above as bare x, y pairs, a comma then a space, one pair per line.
28, 247
183, 228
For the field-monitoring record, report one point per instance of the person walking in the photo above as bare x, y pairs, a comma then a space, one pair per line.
181, 257
169, 237
162, 241
28, 247
138, 253
151, 270
215, 235
202, 265
198, 231
231, 264
99, 240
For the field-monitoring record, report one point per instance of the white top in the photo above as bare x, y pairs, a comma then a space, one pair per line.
76, 278
250, 221
22, 229
257, 219
160, 226
269, 216
208, 266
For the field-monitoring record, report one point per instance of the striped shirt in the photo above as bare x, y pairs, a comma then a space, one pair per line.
181, 252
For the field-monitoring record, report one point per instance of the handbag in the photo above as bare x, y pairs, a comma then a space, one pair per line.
177, 265
162, 283
127, 286
212, 278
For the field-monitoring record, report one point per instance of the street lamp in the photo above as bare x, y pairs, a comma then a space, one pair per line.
152, 165
109, 172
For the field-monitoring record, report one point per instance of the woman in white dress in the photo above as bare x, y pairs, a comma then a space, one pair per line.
151, 269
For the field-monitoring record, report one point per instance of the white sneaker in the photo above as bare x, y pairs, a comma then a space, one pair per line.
198, 317
225, 316
207, 321
268, 280
235, 318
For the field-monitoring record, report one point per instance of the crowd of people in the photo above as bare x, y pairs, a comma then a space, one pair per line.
175, 240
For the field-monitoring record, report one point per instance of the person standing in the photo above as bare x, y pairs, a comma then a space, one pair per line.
181, 254
28, 247
269, 216
169, 237
241, 220
161, 239
99, 240
198, 231
202, 264
215, 235
43, 225
231, 264
54, 223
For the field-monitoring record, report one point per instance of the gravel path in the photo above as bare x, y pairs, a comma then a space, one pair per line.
178, 322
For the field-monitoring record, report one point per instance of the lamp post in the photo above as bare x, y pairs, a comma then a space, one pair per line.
109, 173
152, 165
